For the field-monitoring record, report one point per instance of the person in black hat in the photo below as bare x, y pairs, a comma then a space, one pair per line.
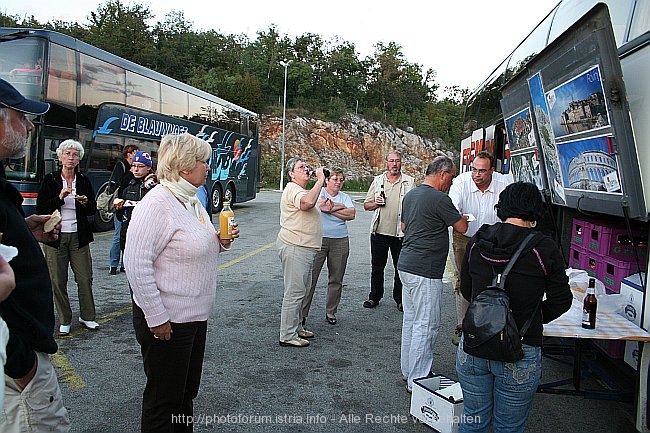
29, 309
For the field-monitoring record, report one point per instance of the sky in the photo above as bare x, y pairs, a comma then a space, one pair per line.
462, 40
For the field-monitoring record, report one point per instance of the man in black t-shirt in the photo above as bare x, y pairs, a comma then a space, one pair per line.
427, 212
29, 309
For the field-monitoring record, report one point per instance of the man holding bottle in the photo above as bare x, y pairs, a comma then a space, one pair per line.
385, 229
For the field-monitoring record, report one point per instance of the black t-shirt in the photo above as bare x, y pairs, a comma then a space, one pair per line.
427, 214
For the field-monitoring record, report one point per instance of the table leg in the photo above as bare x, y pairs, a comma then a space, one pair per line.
642, 393
577, 364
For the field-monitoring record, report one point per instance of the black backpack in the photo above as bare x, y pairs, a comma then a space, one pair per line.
489, 328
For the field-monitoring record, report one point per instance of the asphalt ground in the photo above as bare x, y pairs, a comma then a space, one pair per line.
348, 380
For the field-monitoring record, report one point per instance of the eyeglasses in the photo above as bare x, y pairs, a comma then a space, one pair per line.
70, 155
480, 170
336, 179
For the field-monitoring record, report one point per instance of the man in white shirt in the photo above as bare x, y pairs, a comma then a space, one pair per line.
475, 193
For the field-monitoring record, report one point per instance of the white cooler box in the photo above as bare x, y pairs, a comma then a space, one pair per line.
632, 294
437, 402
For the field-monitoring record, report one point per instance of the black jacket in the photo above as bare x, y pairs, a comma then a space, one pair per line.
539, 270
48, 201
29, 309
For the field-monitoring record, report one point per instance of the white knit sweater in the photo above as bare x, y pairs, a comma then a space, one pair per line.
171, 260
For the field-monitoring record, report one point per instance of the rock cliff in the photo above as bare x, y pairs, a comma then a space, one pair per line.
354, 144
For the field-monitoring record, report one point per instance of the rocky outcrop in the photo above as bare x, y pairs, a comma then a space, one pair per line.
354, 144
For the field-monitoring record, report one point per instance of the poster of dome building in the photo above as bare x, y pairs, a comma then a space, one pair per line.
578, 105
589, 165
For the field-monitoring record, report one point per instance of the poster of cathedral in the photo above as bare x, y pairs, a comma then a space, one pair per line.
590, 165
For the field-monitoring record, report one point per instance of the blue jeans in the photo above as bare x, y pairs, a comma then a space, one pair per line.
114, 253
498, 393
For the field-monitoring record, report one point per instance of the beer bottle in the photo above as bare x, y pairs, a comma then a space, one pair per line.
226, 221
589, 307
382, 194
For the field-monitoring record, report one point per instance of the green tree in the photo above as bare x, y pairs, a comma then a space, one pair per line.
122, 30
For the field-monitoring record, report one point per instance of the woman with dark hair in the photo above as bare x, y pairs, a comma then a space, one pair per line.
500, 393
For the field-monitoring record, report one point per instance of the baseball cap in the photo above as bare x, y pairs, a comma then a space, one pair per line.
143, 158
12, 98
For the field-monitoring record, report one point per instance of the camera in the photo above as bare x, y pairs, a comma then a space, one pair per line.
326, 173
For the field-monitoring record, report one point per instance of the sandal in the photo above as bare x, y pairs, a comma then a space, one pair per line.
370, 303
331, 320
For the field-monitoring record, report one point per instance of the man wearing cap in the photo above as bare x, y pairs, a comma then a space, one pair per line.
29, 309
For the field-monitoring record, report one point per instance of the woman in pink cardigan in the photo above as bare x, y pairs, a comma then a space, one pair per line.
171, 242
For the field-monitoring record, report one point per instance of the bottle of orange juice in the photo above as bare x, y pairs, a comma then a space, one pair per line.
226, 221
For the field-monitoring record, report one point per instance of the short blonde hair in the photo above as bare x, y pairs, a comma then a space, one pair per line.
179, 153
70, 144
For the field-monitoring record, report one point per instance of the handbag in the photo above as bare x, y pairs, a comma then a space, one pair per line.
489, 327
105, 200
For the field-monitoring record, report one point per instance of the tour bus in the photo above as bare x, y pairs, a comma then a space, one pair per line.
569, 110
106, 102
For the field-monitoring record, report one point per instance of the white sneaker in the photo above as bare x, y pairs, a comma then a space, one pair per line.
89, 324
64, 329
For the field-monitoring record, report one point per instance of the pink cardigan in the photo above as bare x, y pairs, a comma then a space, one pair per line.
171, 260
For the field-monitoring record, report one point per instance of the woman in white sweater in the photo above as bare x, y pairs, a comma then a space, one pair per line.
171, 258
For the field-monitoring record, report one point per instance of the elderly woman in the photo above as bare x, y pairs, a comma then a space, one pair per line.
298, 242
500, 393
171, 257
70, 192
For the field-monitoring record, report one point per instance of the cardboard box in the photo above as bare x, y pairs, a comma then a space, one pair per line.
632, 353
632, 294
432, 407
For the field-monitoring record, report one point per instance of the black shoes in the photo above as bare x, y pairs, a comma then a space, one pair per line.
113, 270
400, 307
370, 303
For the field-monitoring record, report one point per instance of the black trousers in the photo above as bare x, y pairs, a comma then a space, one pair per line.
173, 369
380, 245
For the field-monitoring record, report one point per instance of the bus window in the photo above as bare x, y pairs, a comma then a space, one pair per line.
570, 11
106, 151
62, 76
199, 109
21, 62
142, 92
531, 46
173, 102
101, 82
640, 19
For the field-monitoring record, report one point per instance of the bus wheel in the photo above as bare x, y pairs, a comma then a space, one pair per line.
103, 221
229, 195
217, 196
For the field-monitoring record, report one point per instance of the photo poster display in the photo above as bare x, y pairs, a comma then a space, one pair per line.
590, 164
524, 159
546, 136
578, 105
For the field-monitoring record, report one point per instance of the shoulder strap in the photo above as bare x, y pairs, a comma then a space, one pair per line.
502, 283
514, 259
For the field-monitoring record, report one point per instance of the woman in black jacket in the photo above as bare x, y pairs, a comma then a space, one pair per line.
71, 193
496, 392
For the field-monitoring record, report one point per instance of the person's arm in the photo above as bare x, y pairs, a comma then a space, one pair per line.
369, 203
309, 200
7, 279
558, 294
345, 213
461, 225
49, 199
